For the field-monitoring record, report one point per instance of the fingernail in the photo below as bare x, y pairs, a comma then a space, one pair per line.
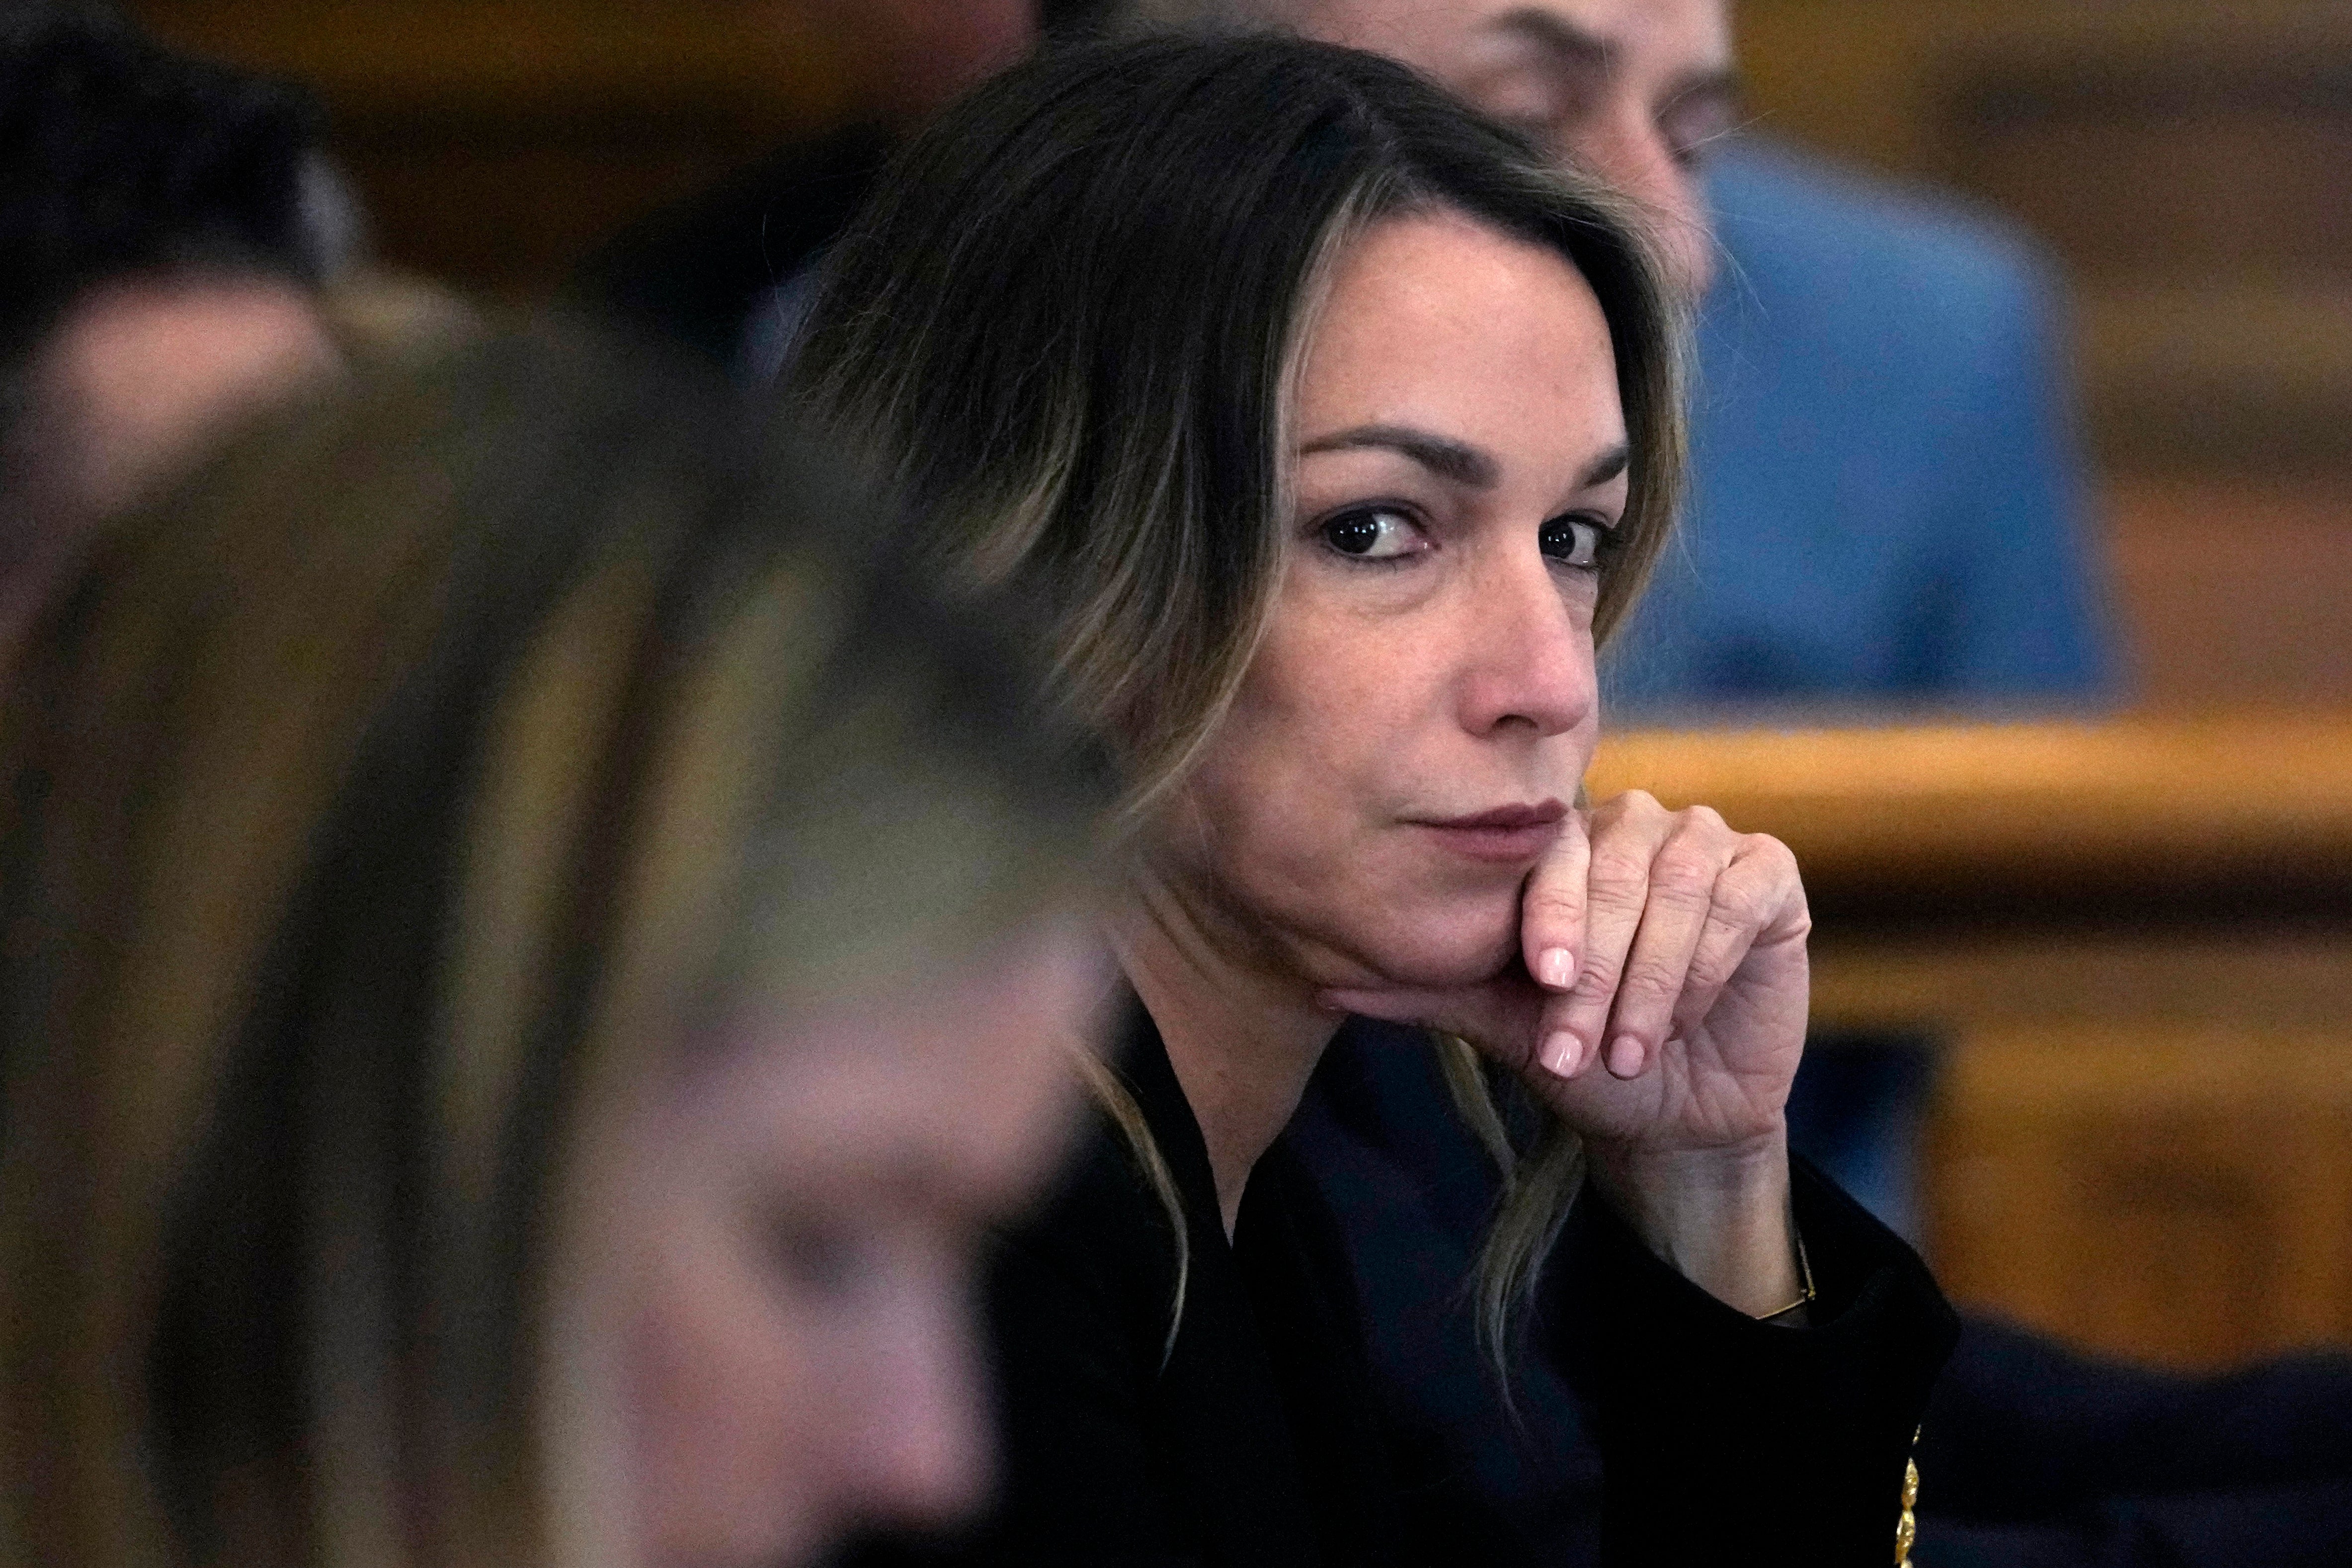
1626, 1057
1556, 967
1561, 1054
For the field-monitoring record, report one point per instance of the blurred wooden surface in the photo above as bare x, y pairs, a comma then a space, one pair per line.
495, 141
2134, 943
2186, 161
1917, 816
2234, 590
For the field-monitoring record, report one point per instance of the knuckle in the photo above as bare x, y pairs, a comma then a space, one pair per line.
1618, 879
1717, 961
1633, 803
1700, 831
1552, 899
1650, 982
1683, 879
1599, 976
1741, 902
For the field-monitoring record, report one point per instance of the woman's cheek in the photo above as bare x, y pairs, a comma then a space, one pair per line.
718, 1372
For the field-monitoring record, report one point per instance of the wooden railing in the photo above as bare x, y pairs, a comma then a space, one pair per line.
2058, 809
2134, 943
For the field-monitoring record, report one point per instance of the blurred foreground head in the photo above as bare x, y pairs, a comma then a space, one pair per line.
532, 954
163, 223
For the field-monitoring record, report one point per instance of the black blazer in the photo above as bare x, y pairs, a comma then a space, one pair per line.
1254, 1435
2033, 1458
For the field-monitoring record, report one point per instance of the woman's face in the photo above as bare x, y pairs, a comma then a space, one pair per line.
778, 1316
1418, 717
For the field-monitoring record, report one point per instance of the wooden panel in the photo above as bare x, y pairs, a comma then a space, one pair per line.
2214, 156
1883, 81
2182, 1197
511, 209
2293, 979
495, 141
2134, 943
2252, 379
2235, 590
2140, 1144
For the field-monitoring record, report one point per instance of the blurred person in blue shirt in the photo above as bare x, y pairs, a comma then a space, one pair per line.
1888, 504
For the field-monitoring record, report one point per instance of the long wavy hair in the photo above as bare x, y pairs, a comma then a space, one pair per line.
1068, 326
382, 807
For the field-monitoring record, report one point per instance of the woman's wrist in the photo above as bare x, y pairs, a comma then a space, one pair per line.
1719, 1217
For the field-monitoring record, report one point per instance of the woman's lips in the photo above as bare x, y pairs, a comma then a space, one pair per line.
1508, 834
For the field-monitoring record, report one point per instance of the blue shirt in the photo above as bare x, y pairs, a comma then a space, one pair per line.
1887, 504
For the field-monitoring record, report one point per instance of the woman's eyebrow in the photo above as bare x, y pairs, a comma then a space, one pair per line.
1441, 455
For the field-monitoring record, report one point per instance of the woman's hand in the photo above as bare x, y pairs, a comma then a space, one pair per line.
1660, 1011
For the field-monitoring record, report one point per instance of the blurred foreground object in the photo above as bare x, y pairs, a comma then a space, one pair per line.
462, 1100
2136, 941
159, 250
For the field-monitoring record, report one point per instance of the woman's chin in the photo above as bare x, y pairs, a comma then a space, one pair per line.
1445, 946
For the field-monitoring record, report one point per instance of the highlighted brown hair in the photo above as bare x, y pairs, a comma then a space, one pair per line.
1067, 329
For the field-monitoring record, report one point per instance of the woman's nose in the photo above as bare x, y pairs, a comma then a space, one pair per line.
1528, 661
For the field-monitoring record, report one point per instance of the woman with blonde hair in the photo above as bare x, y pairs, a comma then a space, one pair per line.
533, 954
1335, 428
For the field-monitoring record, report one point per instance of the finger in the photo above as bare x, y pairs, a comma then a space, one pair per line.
1561, 1053
1760, 903
1682, 895
1626, 835
1551, 910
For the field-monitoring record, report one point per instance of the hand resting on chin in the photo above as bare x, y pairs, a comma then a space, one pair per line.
1657, 1005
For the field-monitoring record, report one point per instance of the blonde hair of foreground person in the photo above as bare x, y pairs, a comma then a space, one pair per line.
386, 806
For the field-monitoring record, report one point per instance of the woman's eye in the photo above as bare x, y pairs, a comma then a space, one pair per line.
1374, 534
1571, 541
